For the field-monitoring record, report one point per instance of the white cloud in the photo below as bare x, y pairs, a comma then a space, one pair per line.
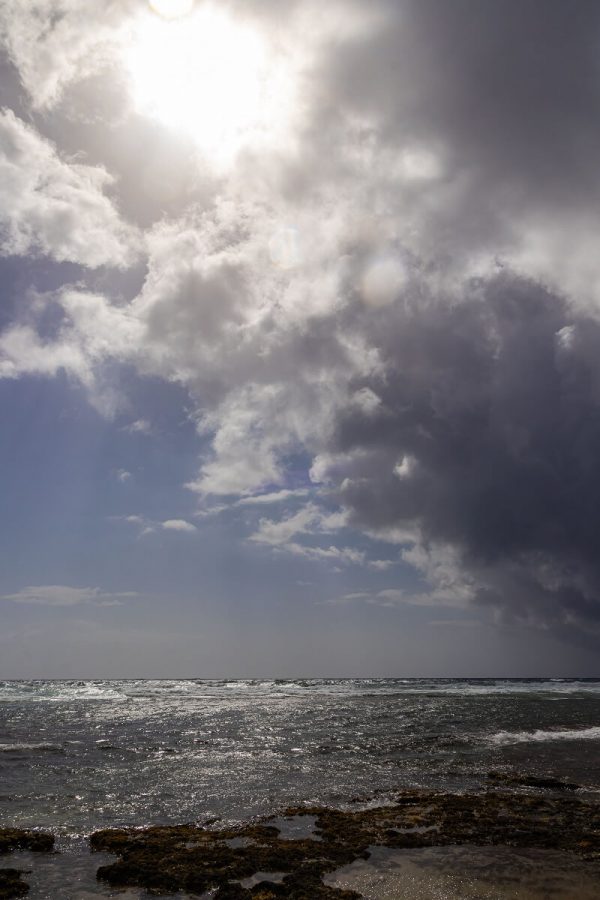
123, 475
405, 467
308, 520
270, 498
92, 331
345, 555
178, 525
54, 207
150, 526
273, 497
140, 426
390, 597
56, 42
23, 351
381, 565
63, 595
441, 567
314, 521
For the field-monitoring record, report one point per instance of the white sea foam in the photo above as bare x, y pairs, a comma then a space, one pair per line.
526, 737
138, 689
58, 691
29, 748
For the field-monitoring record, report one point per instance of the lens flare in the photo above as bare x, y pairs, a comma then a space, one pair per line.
284, 248
383, 280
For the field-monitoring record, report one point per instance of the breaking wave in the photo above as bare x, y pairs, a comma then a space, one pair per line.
30, 748
138, 689
525, 737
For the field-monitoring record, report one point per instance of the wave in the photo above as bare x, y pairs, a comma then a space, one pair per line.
30, 748
58, 691
51, 691
524, 737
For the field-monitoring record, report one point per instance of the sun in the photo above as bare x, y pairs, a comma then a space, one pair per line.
203, 74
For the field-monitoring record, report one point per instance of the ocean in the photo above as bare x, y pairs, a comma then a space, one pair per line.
76, 756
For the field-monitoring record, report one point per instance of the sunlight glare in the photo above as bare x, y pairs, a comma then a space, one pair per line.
209, 77
172, 9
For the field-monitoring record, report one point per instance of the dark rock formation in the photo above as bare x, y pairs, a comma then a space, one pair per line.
515, 780
11, 884
187, 858
18, 839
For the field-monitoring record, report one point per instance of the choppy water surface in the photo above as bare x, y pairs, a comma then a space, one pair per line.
75, 756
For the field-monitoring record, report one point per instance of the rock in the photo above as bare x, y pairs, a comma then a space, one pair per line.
188, 858
11, 884
515, 780
19, 839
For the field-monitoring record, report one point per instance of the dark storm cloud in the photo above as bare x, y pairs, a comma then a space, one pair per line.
511, 89
487, 438
494, 405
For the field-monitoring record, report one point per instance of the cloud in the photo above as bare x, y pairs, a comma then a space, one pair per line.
56, 208
307, 520
311, 520
63, 595
344, 555
178, 525
139, 426
54, 42
123, 475
391, 597
150, 526
430, 342
397, 597
494, 398
272, 497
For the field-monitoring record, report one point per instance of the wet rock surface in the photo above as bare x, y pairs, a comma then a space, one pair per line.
20, 839
513, 780
187, 858
11, 884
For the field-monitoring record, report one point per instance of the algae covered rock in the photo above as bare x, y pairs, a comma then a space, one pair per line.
185, 858
192, 859
11, 839
20, 839
11, 884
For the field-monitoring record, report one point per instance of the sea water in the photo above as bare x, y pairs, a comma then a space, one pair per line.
76, 756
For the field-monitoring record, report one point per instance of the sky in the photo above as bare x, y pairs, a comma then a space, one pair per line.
299, 338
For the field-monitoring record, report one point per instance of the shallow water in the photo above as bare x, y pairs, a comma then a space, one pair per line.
476, 873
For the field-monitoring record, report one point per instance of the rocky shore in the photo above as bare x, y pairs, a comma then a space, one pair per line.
288, 856
264, 860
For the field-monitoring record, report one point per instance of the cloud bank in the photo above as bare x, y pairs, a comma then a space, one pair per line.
64, 595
